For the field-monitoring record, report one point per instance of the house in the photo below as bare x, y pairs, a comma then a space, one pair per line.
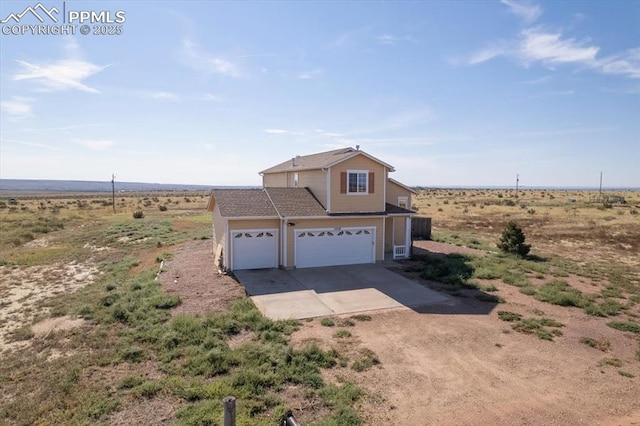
337, 207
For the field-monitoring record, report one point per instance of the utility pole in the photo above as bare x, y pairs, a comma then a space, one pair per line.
600, 192
517, 181
113, 191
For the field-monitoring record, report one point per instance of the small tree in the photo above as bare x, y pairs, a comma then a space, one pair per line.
512, 240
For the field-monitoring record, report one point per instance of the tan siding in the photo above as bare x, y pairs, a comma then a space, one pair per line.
316, 181
274, 180
347, 203
218, 226
333, 223
399, 231
388, 237
218, 236
394, 191
254, 224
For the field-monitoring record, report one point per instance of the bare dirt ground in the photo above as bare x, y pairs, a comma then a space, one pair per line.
22, 289
190, 274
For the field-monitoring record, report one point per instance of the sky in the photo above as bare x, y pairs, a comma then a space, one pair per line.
468, 93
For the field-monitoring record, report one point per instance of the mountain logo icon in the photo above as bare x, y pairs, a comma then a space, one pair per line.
39, 11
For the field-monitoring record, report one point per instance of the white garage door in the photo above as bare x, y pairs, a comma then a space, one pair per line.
254, 249
326, 247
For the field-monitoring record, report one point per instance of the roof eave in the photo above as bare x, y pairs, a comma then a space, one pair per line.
403, 185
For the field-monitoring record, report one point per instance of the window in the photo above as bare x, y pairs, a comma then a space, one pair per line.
357, 182
295, 180
403, 202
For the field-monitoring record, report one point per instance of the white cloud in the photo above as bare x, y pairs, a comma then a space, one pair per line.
18, 108
164, 95
202, 61
626, 63
64, 74
527, 11
552, 48
210, 97
486, 55
96, 145
281, 132
390, 39
310, 75
27, 143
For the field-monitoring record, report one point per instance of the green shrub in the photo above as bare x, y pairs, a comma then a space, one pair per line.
509, 316
512, 241
625, 326
342, 333
327, 322
361, 317
559, 292
138, 214
601, 344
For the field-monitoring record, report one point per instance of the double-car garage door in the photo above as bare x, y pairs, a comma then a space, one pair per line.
327, 247
256, 249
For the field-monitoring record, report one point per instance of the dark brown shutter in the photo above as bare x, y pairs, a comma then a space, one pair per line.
343, 182
371, 181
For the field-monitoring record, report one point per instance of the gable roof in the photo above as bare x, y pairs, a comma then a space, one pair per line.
242, 203
402, 185
321, 160
295, 202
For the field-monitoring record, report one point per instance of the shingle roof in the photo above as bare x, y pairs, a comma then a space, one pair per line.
243, 203
295, 202
393, 209
318, 161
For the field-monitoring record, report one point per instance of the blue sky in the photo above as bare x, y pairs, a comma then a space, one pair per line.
450, 93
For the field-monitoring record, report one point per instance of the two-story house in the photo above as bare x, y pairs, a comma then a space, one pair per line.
332, 208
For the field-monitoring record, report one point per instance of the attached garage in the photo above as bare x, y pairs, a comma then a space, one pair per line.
254, 249
326, 247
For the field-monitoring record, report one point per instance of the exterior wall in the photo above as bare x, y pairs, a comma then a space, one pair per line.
316, 181
219, 237
395, 232
399, 231
388, 235
352, 203
278, 180
394, 191
218, 226
332, 223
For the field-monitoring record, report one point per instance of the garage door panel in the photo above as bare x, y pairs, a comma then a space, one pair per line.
254, 249
330, 247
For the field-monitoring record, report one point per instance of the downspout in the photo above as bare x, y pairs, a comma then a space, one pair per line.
225, 247
283, 243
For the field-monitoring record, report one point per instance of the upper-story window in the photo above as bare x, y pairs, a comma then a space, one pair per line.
295, 180
403, 202
357, 182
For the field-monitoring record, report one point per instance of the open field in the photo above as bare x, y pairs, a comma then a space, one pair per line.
89, 336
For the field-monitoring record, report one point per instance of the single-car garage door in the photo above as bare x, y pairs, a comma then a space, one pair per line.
254, 249
326, 247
